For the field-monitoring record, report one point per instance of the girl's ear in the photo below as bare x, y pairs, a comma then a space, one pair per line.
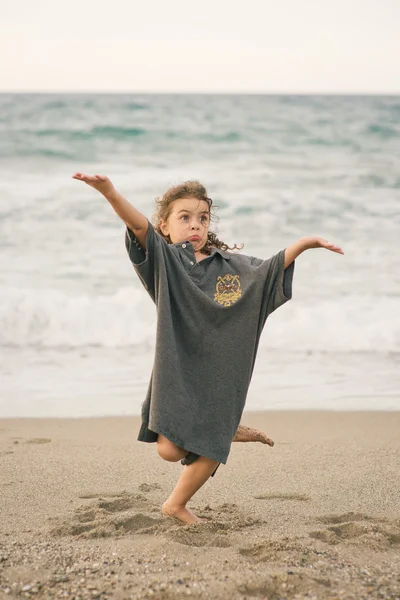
164, 227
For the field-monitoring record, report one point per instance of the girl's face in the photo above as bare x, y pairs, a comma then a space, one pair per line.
189, 220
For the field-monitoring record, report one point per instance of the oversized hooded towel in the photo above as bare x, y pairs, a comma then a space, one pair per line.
210, 315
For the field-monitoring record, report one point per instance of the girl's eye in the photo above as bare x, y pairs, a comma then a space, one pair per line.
203, 217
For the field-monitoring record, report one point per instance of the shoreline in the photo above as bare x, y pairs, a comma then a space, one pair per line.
248, 412
317, 514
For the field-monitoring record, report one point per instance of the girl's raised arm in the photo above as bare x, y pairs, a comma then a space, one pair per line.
305, 243
133, 218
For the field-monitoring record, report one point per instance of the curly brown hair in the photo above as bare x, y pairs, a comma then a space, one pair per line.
188, 189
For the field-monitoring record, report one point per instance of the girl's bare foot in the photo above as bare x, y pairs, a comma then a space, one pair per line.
249, 434
181, 513
265, 439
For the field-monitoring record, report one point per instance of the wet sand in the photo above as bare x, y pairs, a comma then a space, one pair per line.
316, 516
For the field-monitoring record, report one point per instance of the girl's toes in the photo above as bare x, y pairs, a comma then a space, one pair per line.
266, 440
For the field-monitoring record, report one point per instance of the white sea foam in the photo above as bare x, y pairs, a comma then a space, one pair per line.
51, 319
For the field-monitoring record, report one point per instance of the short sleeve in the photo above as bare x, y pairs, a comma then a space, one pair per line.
277, 281
146, 262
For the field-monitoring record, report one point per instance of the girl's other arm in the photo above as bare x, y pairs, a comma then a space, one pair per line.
133, 218
305, 243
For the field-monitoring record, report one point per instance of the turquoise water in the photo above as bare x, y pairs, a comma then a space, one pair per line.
77, 329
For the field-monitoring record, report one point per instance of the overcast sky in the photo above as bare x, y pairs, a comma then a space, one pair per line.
296, 46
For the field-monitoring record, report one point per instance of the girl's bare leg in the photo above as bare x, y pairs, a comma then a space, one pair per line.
248, 434
196, 474
192, 478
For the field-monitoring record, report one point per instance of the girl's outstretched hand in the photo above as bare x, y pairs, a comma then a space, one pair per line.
304, 243
101, 183
317, 242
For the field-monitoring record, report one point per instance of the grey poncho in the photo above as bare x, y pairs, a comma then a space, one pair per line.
210, 315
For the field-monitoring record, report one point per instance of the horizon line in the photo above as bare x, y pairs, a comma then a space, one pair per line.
176, 93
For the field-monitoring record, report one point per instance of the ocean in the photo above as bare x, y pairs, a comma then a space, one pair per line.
77, 329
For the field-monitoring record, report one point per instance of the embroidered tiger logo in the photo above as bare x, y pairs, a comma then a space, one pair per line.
228, 290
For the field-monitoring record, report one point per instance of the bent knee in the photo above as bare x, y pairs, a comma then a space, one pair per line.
169, 451
169, 454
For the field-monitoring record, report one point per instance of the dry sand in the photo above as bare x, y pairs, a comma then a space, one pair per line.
317, 516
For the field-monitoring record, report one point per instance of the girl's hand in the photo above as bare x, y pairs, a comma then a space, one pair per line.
304, 243
101, 183
317, 242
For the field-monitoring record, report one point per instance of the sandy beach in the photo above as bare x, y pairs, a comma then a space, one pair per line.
316, 516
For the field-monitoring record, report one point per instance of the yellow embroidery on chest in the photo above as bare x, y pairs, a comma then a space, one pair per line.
228, 290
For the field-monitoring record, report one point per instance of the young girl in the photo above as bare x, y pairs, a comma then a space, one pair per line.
211, 309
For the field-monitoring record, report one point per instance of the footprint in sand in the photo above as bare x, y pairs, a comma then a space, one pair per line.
359, 529
199, 535
299, 497
288, 550
149, 487
102, 519
344, 518
16, 440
